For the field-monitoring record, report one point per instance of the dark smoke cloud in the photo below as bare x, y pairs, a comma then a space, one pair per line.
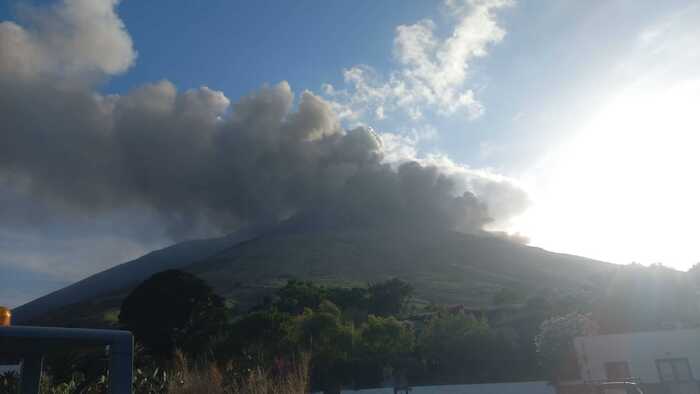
197, 165
201, 164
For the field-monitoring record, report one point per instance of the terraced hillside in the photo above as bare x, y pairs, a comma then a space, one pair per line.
444, 267
447, 267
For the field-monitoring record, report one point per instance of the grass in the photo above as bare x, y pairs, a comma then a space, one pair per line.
210, 379
183, 379
111, 316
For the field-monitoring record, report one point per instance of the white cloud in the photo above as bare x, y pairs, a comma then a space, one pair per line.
432, 73
398, 148
505, 197
201, 165
71, 38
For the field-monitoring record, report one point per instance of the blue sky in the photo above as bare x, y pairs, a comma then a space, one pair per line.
553, 53
235, 46
559, 99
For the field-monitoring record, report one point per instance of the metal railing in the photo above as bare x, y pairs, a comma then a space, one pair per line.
31, 344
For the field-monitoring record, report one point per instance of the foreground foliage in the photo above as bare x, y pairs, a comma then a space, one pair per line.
183, 379
362, 337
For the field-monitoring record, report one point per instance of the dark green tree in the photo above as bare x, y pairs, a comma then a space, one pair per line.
298, 295
353, 301
459, 348
174, 310
555, 344
447, 338
349, 297
385, 338
389, 297
330, 341
382, 343
262, 334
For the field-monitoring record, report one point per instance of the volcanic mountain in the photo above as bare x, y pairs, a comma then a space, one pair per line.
443, 266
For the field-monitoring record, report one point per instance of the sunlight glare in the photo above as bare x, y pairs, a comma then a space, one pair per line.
626, 187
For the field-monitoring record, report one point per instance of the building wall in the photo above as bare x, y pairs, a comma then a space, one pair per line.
640, 350
488, 388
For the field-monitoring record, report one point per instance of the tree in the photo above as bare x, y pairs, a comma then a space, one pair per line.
447, 339
298, 295
349, 297
389, 297
173, 309
257, 338
385, 338
459, 348
382, 342
555, 343
330, 341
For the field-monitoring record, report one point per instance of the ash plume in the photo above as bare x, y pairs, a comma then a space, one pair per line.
195, 160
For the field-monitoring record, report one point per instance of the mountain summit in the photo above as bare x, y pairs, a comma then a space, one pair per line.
443, 266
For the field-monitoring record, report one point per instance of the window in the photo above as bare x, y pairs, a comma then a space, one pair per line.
677, 376
682, 370
665, 370
617, 371
674, 369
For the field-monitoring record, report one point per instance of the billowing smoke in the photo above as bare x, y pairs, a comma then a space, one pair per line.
196, 160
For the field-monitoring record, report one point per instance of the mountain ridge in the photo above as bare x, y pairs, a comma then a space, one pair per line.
124, 274
443, 266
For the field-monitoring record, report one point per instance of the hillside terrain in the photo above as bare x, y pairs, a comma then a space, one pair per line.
444, 267
125, 275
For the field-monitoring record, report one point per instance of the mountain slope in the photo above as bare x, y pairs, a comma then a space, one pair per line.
126, 274
445, 267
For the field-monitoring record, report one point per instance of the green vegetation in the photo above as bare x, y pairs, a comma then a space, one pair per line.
182, 379
173, 310
555, 346
442, 267
354, 336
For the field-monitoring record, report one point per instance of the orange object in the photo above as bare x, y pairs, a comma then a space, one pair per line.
5, 316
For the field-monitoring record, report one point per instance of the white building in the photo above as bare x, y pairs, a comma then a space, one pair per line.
662, 361
487, 388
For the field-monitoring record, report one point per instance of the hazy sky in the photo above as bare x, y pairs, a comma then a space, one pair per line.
575, 122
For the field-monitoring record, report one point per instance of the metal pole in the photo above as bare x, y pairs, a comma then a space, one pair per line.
32, 343
121, 360
30, 377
